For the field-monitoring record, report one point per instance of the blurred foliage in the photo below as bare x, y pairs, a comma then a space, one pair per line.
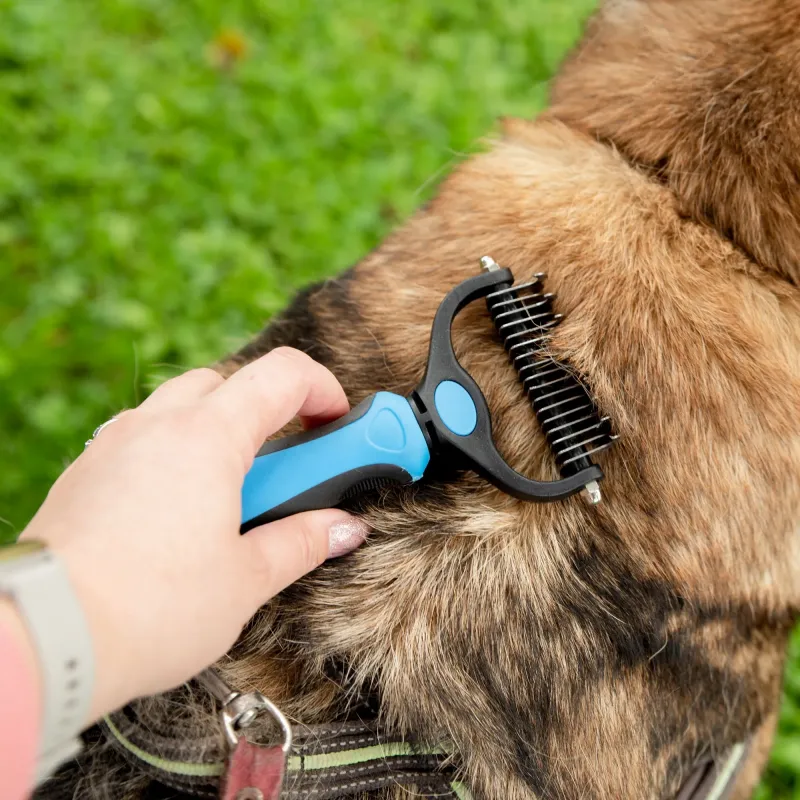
782, 781
172, 172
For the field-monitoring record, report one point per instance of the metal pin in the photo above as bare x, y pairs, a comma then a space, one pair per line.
489, 264
249, 793
593, 492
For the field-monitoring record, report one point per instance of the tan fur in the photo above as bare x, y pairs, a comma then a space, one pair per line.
568, 651
694, 354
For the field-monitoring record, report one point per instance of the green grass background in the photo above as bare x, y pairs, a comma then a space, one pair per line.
159, 200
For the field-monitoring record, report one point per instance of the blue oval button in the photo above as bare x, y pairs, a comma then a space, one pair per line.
455, 407
386, 431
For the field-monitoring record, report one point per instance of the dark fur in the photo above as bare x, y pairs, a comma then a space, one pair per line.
568, 651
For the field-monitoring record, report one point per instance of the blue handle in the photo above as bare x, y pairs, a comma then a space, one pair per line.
380, 438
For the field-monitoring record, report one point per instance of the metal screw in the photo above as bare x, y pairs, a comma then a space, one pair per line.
593, 492
247, 718
489, 264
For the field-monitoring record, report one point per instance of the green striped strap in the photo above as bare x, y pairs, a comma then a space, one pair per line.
319, 766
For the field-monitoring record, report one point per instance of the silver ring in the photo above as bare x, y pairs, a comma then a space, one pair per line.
98, 429
240, 712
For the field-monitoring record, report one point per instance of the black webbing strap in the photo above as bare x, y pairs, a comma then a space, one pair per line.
715, 779
337, 761
326, 761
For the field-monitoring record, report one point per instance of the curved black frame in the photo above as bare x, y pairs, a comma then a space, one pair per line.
477, 450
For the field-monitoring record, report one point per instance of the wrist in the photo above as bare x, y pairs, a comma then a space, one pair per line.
88, 580
16, 635
20, 701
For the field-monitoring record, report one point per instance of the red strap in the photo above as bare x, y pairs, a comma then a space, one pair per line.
254, 773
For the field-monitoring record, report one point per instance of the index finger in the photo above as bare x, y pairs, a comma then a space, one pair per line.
264, 395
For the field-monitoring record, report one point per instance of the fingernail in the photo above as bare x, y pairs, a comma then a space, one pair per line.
344, 536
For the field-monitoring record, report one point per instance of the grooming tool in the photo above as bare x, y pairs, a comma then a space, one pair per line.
389, 438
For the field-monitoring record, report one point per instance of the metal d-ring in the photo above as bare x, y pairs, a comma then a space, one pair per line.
238, 711
241, 711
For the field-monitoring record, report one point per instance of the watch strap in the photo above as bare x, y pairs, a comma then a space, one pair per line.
37, 582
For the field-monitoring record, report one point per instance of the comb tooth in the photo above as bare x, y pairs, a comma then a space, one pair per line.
516, 335
526, 343
560, 379
523, 313
578, 421
599, 449
561, 441
557, 404
522, 322
535, 366
587, 406
575, 446
512, 301
558, 392
524, 318
518, 287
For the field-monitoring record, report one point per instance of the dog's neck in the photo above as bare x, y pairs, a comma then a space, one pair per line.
704, 96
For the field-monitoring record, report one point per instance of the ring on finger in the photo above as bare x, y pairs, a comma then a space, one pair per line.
98, 429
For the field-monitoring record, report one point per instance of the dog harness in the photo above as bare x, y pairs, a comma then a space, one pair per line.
325, 762
321, 762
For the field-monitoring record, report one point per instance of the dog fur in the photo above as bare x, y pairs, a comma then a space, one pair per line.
568, 651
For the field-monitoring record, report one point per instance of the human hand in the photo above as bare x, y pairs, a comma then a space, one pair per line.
147, 522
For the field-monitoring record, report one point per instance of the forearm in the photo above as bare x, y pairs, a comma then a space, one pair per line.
20, 704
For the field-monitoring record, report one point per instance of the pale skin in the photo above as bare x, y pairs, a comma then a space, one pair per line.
146, 521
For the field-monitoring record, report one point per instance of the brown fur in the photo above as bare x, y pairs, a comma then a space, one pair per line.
568, 651
705, 93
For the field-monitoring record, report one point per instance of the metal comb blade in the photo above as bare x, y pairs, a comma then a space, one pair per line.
524, 318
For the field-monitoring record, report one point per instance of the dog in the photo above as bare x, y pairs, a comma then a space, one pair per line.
564, 650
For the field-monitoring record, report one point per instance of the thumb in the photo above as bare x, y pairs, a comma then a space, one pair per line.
289, 548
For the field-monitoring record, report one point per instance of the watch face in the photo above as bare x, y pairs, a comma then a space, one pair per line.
17, 550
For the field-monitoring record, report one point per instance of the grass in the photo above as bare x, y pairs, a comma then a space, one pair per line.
172, 172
